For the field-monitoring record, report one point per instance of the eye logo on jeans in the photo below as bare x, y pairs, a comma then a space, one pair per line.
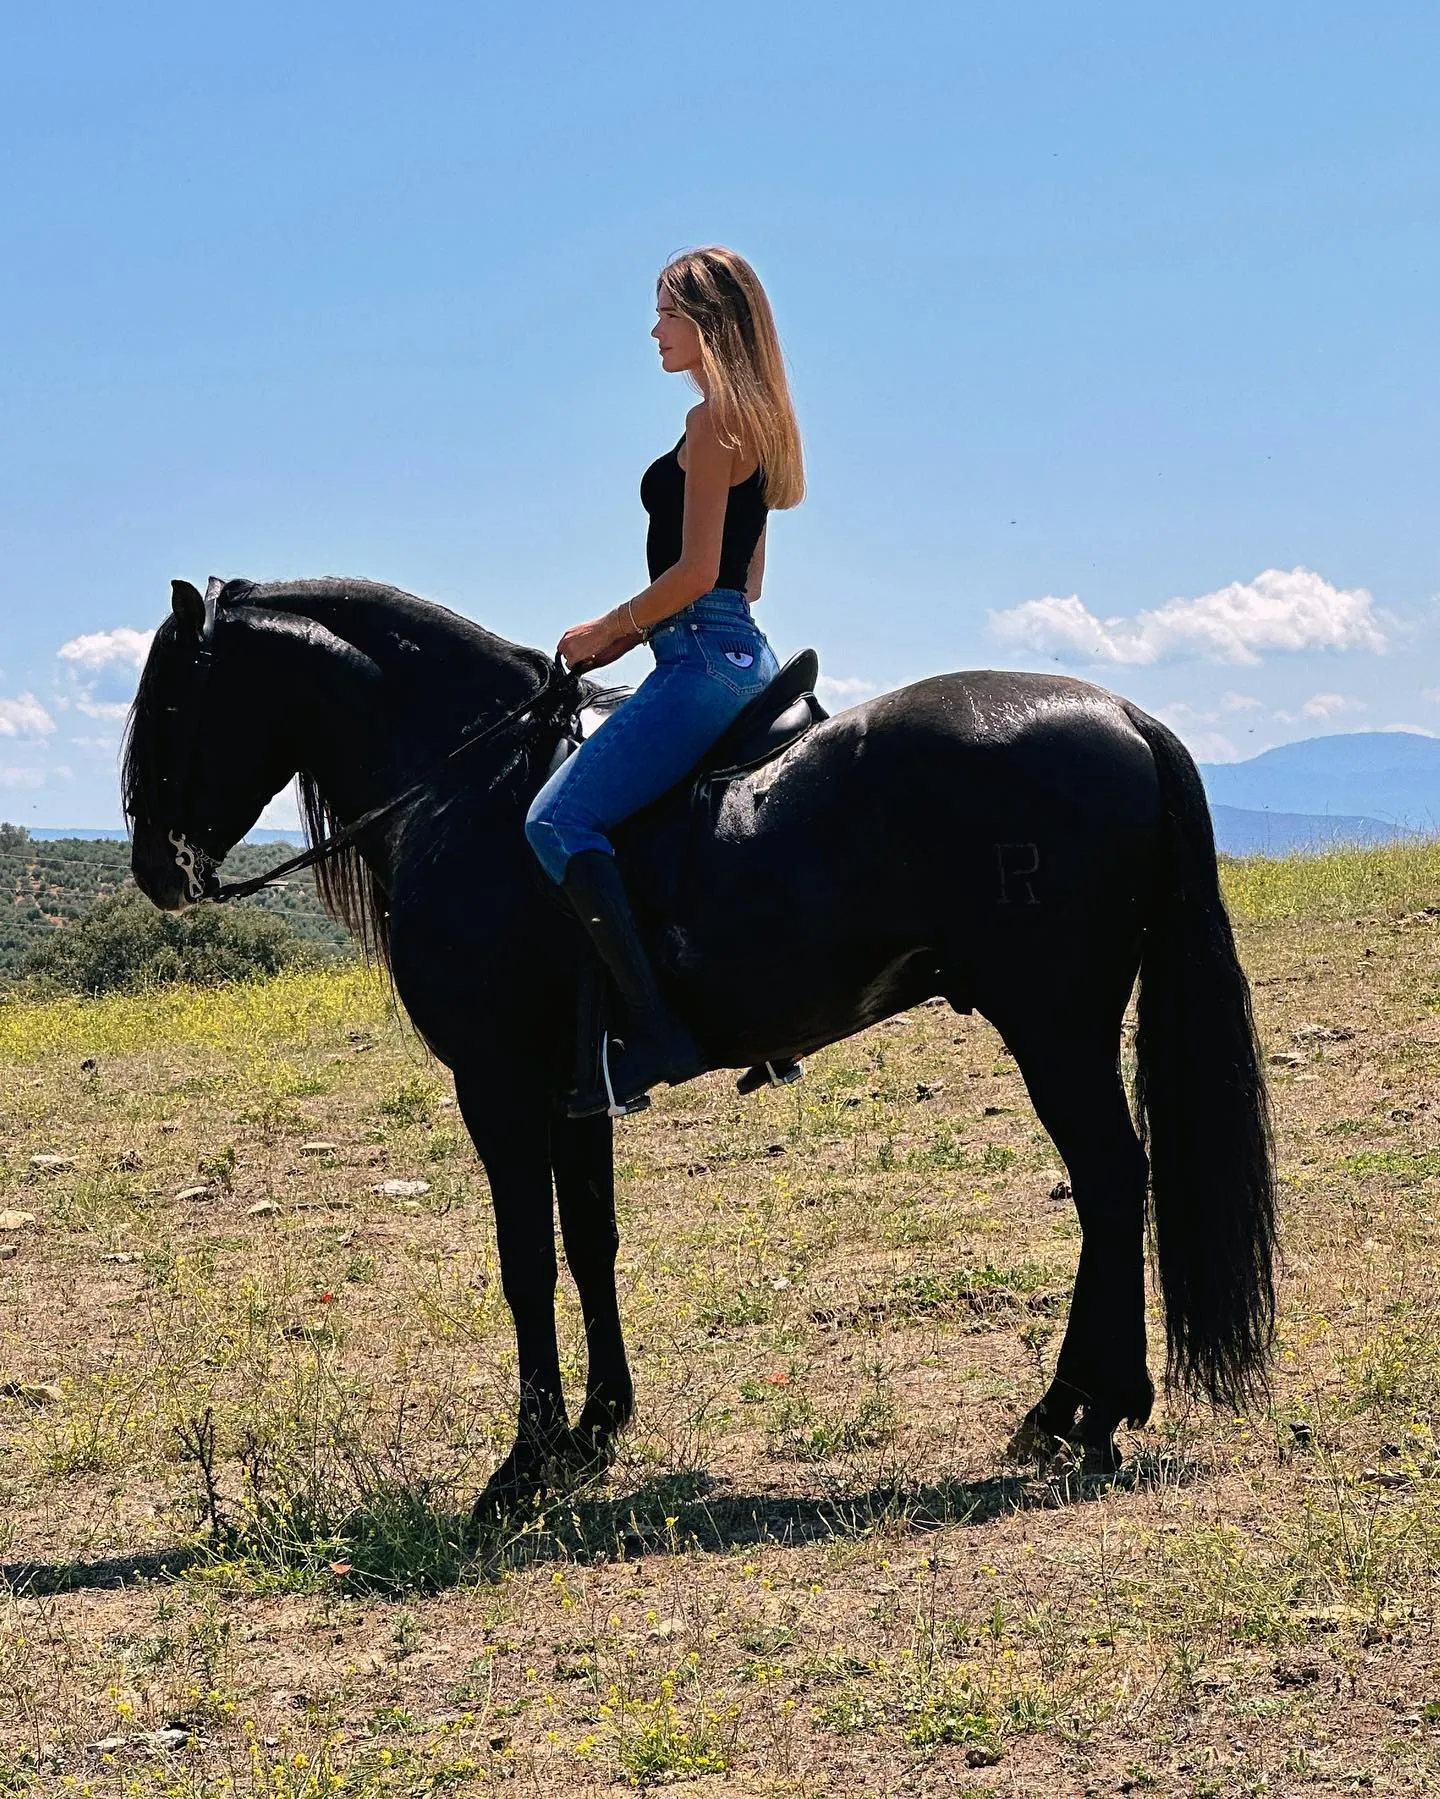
740, 658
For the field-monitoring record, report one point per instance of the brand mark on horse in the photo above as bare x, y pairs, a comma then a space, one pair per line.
1016, 862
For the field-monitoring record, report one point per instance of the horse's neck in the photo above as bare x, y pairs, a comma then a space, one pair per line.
379, 701
401, 634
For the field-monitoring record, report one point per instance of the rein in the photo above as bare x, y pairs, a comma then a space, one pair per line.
555, 700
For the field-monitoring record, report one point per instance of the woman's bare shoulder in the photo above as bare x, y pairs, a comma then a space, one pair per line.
703, 437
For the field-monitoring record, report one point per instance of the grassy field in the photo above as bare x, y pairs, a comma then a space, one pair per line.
248, 1395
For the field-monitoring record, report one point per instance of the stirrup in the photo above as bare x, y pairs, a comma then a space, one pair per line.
613, 1107
784, 1073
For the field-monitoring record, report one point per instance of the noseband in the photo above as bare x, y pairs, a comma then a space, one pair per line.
194, 864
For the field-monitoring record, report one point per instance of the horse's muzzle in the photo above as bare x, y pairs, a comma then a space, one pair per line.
164, 879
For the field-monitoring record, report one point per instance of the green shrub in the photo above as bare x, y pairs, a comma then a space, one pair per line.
123, 943
47, 885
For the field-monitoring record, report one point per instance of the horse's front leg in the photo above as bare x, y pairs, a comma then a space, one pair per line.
581, 1152
509, 1121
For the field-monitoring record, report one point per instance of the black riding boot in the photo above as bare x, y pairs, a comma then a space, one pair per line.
657, 1045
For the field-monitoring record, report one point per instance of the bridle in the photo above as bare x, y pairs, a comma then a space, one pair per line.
193, 863
197, 866
556, 702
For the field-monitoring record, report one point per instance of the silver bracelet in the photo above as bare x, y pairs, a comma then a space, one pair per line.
629, 609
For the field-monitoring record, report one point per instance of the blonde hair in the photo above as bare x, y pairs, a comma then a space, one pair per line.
744, 368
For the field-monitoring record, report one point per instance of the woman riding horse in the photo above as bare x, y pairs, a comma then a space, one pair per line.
707, 498
1024, 846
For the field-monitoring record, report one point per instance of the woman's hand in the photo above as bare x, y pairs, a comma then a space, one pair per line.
593, 645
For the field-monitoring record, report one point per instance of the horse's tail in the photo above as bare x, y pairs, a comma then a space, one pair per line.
1204, 1115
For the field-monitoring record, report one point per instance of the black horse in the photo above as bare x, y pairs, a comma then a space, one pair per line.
1022, 845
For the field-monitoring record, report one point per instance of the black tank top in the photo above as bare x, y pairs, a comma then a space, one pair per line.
662, 494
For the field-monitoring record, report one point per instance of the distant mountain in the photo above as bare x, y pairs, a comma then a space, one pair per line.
1365, 778
1241, 833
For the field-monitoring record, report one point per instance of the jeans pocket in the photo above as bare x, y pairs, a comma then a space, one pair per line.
741, 660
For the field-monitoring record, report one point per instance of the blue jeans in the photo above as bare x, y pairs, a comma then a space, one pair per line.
710, 662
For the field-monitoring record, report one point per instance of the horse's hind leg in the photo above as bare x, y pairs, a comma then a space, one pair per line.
582, 1155
1073, 1076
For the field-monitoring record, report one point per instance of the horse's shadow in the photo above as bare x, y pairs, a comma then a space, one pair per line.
690, 1513
402, 1541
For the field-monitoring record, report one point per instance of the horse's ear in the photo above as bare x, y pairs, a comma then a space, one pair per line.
188, 605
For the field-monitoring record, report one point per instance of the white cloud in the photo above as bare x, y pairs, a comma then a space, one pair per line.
100, 668
105, 649
1330, 705
1430, 693
1415, 730
21, 777
282, 814
843, 690
1319, 706
1211, 746
1279, 610
1062, 627
1191, 722
1181, 714
24, 717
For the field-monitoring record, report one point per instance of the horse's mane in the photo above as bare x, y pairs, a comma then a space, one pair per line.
349, 889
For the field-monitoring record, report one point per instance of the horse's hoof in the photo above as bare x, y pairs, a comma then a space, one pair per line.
1041, 1433
503, 1500
1034, 1440
1137, 1408
604, 1415
1030, 1441
594, 1440
521, 1484
594, 1455
1093, 1441
1100, 1459
534, 1473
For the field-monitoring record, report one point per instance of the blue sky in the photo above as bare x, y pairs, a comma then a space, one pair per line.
1104, 322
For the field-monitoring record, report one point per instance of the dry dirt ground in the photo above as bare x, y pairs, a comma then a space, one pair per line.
813, 1569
